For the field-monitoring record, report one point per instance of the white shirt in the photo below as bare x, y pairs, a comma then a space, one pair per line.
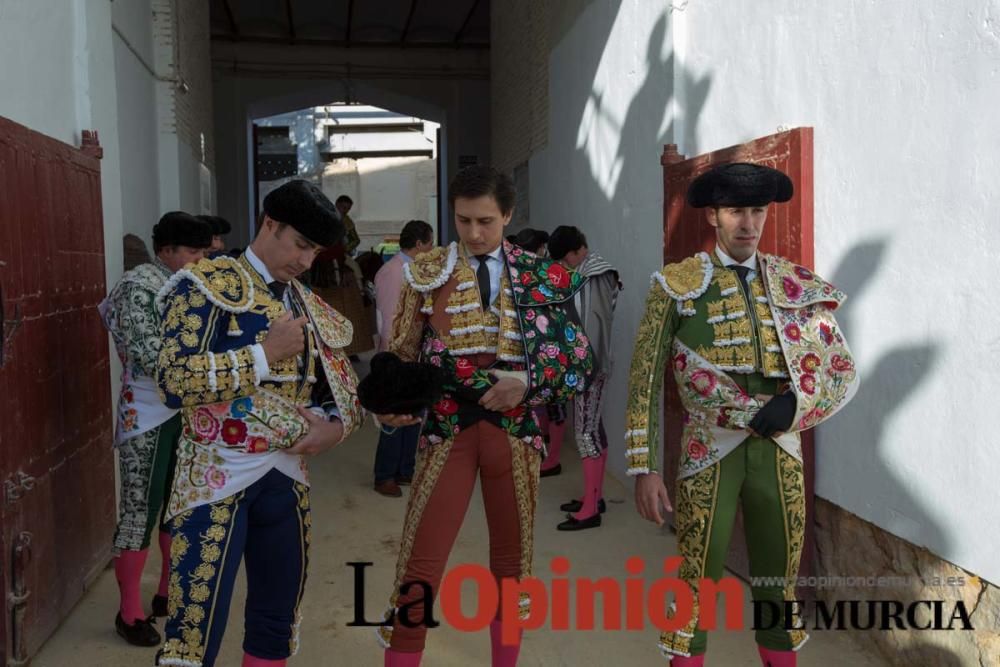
494, 262
750, 262
259, 358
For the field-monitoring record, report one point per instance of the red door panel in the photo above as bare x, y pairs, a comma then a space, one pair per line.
788, 232
56, 461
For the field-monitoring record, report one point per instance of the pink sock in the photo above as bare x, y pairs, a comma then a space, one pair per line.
503, 656
253, 661
555, 432
395, 658
593, 485
685, 661
771, 658
165, 567
128, 572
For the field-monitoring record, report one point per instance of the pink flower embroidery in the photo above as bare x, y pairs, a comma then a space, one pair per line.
703, 382
257, 444
808, 383
811, 418
793, 290
529, 315
551, 351
803, 273
234, 431
215, 478
841, 364
437, 345
793, 333
542, 323
680, 362
205, 425
580, 352
809, 363
697, 450
825, 333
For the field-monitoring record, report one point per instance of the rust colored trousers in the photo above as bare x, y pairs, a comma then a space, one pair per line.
440, 495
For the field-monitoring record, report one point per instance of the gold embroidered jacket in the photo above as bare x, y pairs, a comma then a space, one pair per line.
699, 316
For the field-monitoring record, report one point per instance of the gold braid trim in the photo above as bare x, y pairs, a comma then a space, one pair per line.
793, 505
430, 462
653, 345
525, 465
697, 496
407, 325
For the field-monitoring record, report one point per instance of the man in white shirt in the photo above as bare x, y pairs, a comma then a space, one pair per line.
397, 450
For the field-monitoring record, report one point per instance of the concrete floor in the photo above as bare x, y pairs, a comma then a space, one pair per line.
352, 523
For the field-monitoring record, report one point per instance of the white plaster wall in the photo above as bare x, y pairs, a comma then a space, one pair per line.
137, 118
903, 97
600, 170
57, 66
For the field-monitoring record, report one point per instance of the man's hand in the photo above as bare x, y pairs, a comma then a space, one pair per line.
396, 421
776, 416
322, 435
650, 496
505, 395
284, 338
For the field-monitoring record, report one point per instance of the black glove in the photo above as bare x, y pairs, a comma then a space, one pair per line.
775, 416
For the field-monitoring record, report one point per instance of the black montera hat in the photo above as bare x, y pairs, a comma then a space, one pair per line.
302, 206
739, 184
220, 225
179, 228
399, 387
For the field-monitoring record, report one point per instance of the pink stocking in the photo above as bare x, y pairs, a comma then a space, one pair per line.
593, 485
252, 661
503, 656
128, 572
399, 659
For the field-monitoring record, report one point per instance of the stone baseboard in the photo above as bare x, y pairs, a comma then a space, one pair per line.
850, 547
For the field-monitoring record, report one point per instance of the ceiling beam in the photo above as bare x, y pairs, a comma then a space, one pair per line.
336, 43
465, 23
232, 19
409, 19
291, 20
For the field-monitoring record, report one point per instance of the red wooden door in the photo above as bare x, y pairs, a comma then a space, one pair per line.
788, 232
56, 461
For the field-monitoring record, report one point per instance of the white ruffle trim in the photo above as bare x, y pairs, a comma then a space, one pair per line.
234, 369
187, 274
213, 381
727, 342
466, 330
464, 308
706, 263
442, 277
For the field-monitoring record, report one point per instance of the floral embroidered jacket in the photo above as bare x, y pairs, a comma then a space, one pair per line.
528, 329
700, 318
236, 423
130, 315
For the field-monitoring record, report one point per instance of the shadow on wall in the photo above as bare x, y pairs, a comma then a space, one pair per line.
616, 157
885, 386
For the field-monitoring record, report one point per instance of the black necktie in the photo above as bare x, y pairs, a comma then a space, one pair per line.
483, 278
278, 289
742, 272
